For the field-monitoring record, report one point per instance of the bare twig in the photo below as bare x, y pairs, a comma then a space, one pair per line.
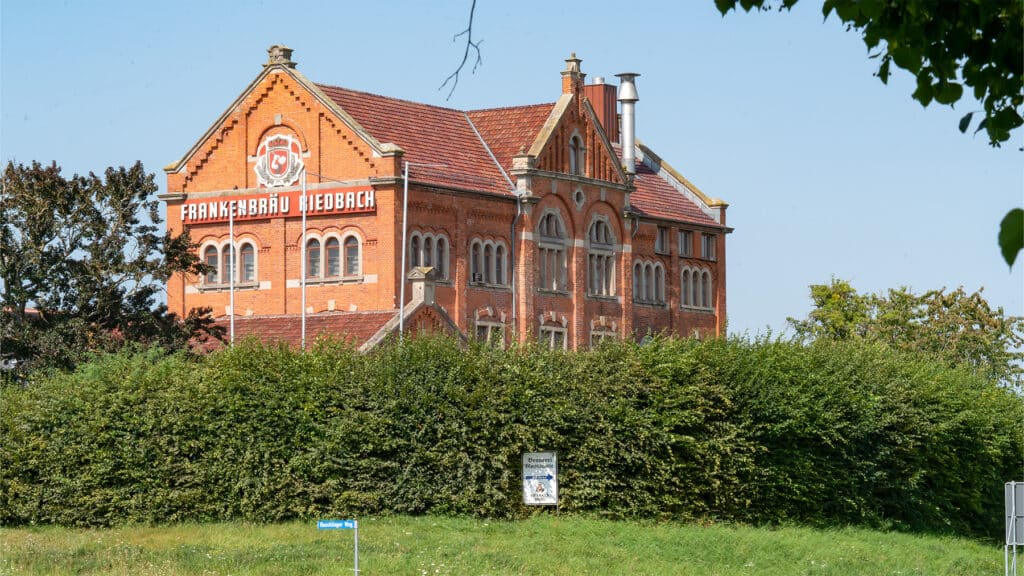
468, 33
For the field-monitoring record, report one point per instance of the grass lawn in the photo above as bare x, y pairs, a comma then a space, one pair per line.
545, 545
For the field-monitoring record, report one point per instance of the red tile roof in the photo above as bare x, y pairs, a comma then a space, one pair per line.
656, 198
354, 327
435, 135
506, 130
428, 135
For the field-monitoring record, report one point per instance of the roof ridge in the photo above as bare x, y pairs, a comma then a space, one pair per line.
391, 98
498, 108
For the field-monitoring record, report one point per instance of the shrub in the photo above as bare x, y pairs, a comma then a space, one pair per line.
763, 431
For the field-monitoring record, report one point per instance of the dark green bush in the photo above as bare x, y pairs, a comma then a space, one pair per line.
750, 431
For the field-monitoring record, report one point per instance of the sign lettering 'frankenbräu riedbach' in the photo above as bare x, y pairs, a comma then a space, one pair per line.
540, 478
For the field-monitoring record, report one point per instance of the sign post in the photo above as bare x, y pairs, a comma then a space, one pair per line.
343, 525
540, 478
1014, 492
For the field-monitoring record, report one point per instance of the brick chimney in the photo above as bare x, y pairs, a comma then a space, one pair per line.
572, 78
602, 99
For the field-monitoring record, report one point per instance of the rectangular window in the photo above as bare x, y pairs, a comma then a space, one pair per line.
707, 246
661, 240
551, 269
598, 336
685, 243
490, 333
553, 338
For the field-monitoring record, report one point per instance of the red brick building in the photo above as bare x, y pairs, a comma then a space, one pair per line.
546, 221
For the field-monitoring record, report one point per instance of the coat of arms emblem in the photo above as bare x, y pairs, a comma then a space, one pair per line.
278, 161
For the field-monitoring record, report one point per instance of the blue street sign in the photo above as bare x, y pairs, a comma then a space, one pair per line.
336, 524
548, 477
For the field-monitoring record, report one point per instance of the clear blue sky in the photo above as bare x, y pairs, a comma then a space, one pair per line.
828, 172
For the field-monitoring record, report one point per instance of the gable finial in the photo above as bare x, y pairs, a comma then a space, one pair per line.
281, 55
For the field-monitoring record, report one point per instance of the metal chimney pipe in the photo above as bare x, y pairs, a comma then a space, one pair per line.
628, 98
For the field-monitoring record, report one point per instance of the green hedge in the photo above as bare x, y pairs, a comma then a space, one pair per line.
681, 429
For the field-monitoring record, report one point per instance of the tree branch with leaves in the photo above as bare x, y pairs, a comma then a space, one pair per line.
947, 46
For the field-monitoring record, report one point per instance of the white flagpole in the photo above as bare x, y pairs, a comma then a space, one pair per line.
401, 273
232, 264
302, 255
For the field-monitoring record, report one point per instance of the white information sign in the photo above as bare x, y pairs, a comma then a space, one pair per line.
540, 478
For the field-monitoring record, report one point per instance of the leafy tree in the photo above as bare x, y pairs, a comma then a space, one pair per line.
946, 45
82, 261
957, 327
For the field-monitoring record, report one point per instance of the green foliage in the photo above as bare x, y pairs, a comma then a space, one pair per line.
82, 262
960, 329
1011, 235
763, 431
946, 46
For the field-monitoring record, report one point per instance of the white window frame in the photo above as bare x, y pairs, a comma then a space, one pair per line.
430, 249
549, 335
322, 273
686, 243
577, 156
708, 243
494, 333
697, 288
648, 282
601, 259
553, 243
226, 264
661, 245
488, 262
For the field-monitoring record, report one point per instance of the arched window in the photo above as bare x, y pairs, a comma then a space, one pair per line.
695, 287
352, 260
475, 263
648, 282
441, 261
414, 251
551, 253
706, 289
499, 265
489, 263
684, 289
659, 284
576, 156
228, 258
333, 249
428, 250
313, 258
211, 259
248, 253
601, 259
